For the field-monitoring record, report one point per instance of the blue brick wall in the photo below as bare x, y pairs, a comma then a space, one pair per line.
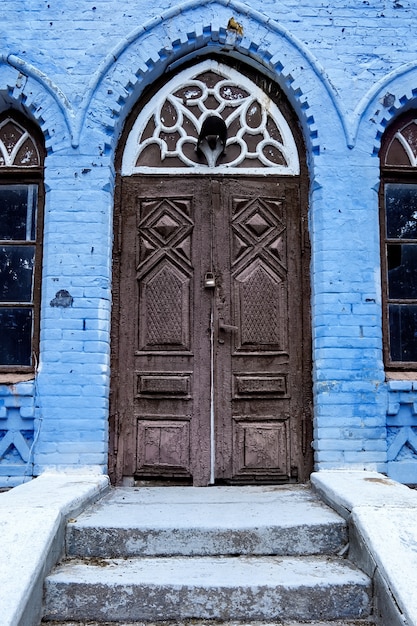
17, 433
402, 431
78, 68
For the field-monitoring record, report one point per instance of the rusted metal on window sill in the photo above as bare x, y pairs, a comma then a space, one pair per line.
14, 378
400, 375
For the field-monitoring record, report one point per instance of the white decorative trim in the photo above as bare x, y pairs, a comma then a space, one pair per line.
238, 100
9, 156
405, 144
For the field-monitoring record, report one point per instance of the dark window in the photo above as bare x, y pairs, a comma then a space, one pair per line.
20, 242
398, 200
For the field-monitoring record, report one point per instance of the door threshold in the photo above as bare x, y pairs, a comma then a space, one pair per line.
133, 481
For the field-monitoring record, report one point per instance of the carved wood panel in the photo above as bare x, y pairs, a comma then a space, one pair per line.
248, 236
261, 402
162, 387
261, 447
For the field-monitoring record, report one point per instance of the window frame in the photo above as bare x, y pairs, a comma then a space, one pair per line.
28, 175
393, 174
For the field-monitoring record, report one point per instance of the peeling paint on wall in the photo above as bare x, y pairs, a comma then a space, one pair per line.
62, 299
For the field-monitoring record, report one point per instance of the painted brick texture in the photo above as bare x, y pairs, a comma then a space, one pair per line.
78, 68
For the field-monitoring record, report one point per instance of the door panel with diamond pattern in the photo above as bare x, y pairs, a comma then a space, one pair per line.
260, 400
211, 381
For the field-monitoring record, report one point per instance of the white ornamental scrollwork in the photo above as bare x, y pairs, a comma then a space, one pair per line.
407, 137
164, 137
17, 147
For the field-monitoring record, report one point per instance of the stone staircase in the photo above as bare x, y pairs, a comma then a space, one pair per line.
231, 555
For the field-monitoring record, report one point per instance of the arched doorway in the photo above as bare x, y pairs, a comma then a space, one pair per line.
211, 367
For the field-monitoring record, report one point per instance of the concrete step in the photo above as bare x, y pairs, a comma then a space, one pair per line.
184, 521
365, 622
207, 588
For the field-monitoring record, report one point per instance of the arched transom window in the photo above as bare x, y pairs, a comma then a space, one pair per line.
210, 116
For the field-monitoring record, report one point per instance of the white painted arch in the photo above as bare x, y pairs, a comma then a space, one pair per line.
237, 98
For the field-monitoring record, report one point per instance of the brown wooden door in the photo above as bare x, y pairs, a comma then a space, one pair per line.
212, 355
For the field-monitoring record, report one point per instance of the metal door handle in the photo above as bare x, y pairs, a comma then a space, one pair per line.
227, 327
224, 328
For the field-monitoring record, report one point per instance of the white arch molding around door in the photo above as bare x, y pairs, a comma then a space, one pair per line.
166, 132
211, 374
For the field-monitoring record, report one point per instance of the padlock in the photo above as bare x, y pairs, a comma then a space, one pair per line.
209, 281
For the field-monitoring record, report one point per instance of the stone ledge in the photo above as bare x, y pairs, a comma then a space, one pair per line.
32, 524
383, 520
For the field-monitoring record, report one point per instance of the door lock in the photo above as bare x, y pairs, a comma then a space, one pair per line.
209, 281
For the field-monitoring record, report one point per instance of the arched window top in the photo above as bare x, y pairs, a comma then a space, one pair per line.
166, 136
400, 146
17, 147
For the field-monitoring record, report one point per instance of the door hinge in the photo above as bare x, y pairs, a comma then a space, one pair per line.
302, 233
116, 432
304, 434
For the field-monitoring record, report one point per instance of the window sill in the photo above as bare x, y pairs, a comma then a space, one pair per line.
12, 379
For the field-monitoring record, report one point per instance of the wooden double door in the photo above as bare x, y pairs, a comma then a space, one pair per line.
211, 348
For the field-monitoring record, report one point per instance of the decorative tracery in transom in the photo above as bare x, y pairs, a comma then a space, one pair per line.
402, 151
167, 132
17, 147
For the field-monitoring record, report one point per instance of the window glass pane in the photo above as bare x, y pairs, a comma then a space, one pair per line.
403, 332
402, 270
18, 212
16, 272
16, 336
401, 211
